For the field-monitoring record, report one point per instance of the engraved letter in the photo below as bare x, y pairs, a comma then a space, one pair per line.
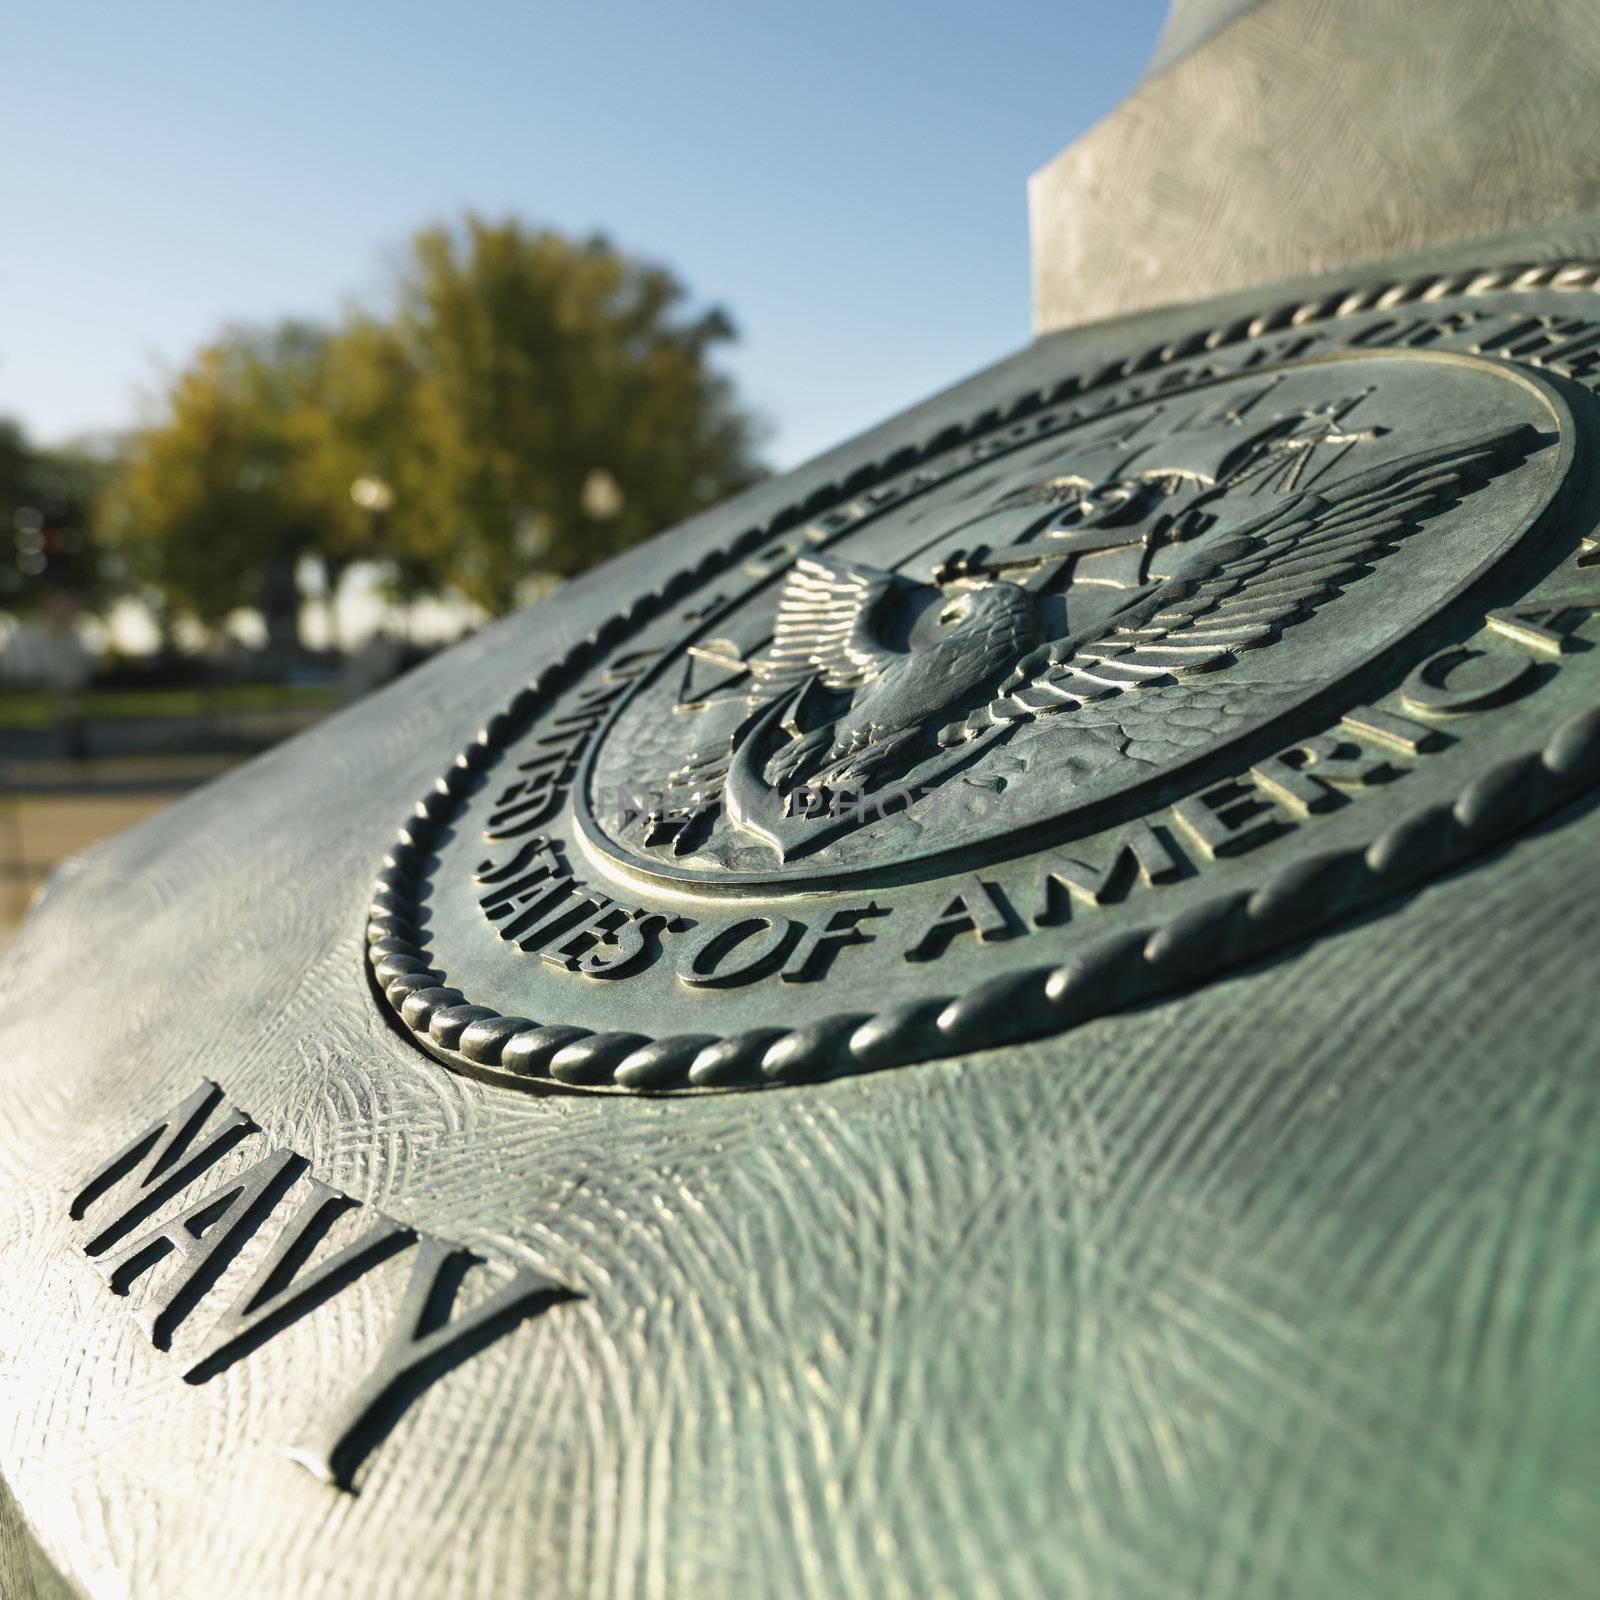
704, 964
612, 942
1302, 777
1399, 733
814, 954
164, 1143
529, 802
1548, 628
1226, 820
279, 1292
206, 1234
1140, 847
488, 872
979, 908
424, 1345
1428, 687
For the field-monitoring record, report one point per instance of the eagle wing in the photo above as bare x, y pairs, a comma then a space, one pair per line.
1245, 589
824, 626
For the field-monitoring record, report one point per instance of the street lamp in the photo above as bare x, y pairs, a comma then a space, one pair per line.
372, 494
375, 496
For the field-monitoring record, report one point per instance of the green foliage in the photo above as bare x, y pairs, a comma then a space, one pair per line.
215, 502
531, 405
542, 367
46, 496
41, 708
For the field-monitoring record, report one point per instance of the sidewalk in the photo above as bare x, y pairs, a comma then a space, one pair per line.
37, 831
52, 806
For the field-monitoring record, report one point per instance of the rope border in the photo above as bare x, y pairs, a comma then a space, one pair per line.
1222, 933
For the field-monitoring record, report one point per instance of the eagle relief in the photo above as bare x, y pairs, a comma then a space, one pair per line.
1141, 677
1107, 601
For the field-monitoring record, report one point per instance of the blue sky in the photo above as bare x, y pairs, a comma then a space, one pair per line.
848, 179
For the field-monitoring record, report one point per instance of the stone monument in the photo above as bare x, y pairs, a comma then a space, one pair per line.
1010, 1013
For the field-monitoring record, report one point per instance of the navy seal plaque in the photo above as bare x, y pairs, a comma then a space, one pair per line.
1134, 678
1010, 1012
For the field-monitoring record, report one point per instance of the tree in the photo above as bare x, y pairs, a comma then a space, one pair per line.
529, 406
548, 402
46, 553
216, 504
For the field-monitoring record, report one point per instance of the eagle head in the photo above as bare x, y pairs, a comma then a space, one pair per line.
1000, 612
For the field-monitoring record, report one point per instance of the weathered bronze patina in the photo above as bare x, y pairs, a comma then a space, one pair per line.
1120, 684
1010, 1013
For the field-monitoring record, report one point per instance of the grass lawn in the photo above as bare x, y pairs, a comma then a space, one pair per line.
40, 708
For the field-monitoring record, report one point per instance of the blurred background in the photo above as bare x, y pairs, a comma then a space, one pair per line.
330, 332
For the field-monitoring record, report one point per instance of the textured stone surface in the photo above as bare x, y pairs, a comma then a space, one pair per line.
26, 1573
1305, 135
1282, 1286
1189, 24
